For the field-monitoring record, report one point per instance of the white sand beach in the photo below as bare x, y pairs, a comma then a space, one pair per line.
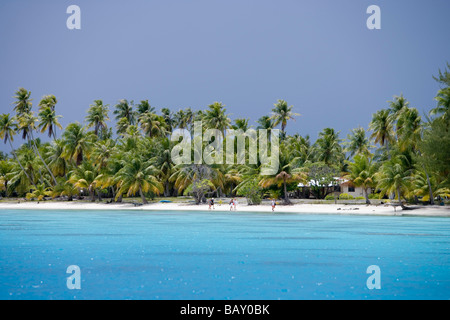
340, 209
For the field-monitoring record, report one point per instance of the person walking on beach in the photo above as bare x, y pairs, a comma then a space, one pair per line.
211, 203
273, 205
231, 204
235, 203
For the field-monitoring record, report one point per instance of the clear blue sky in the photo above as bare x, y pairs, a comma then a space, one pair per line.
318, 55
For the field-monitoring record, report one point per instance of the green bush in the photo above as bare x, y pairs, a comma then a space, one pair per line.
251, 190
345, 196
329, 197
360, 198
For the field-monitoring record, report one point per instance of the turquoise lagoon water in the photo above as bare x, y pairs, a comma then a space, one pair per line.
206, 255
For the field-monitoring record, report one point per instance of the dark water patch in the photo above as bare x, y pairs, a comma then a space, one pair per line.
298, 264
188, 253
402, 234
312, 250
79, 235
284, 238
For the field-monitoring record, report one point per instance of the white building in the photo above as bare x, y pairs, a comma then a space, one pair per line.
339, 186
347, 186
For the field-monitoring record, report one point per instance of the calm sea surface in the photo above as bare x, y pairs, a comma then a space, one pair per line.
207, 255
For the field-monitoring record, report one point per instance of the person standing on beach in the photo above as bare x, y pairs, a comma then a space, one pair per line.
231, 204
273, 205
235, 204
212, 203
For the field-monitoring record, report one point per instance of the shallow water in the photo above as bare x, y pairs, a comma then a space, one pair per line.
205, 255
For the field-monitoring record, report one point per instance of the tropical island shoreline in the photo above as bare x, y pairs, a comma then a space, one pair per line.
386, 209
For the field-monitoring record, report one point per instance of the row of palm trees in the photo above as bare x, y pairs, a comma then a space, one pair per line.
395, 156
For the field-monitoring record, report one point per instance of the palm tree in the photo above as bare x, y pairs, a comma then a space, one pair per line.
241, 124
362, 173
444, 77
97, 116
300, 149
47, 115
193, 177
124, 109
76, 143
357, 142
23, 176
410, 128
286, 173
6, 169
281, 178
64, 188
54, 154
163, 161
84, 176
101, 152
189, 116
216, 118
168, 118
265, 122
48, 101
328, 148
180, 119
443, 106
122, 126
152, 124
395, 177
233, 177
281, 114
137, 176
7, 131
23, 104
26, 123
39, 192
144, 106
396, 106
425, 186
382, 128
48, 121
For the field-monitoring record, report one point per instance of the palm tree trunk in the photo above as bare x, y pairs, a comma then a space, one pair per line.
17, 159
429, 187
366, 196
399, 198
144, 201
166, 189
286, 198
40, 156
92, 194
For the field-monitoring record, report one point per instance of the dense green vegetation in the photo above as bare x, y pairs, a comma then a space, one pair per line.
401, 153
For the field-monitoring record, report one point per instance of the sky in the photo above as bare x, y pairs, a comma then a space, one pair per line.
318, 55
